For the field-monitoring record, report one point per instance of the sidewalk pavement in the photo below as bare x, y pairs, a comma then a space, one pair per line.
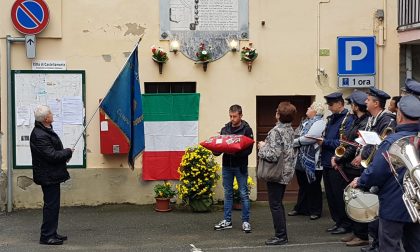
139, 228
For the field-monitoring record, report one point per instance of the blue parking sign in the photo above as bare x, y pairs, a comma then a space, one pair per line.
356, 55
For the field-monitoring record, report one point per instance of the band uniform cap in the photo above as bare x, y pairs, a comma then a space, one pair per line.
412, 87
359, 97
379, 94
336, 96
348, 98
409, 106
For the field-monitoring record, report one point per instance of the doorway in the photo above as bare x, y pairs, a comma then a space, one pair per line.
266, 107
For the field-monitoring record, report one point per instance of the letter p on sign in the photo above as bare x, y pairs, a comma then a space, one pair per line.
350, 57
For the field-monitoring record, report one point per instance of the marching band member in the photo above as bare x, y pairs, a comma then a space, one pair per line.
395, 224
338, 124
357, 99
379, 121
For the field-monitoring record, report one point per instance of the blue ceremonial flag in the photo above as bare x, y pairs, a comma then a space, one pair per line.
124, 107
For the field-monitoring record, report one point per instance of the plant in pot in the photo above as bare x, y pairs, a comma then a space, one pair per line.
163, 195
198, 178
237, 205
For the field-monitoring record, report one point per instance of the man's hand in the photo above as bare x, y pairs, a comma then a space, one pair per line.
353, 184
357, 160
333, 163
320, 141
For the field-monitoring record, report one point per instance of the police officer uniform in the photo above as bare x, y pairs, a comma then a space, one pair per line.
360, 230
333, 188
394, 221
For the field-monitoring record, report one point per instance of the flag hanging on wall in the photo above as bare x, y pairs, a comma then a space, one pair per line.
171, 125
123, 106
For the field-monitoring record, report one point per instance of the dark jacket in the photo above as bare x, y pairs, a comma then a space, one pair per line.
387, 119
350, 153
48, 156
379, 174
331, 136
239, 159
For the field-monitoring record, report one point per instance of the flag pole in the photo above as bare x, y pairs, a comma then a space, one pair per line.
96, 111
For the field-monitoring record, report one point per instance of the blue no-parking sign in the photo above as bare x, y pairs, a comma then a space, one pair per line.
356, 55
30, 16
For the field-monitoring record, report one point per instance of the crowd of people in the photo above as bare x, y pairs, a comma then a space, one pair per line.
331, 149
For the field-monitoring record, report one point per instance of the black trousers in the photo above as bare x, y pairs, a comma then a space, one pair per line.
391, 232
50, 211
275, 200
373, 228
334, 185
309, 201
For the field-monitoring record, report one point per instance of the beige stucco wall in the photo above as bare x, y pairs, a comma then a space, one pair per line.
97, 35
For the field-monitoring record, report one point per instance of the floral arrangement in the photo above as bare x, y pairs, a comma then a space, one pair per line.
198, 174
248, 54
203, 54
159, 54
164, 190
236, 194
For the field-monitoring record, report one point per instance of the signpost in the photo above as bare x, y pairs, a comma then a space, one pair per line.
30, 17
356, 62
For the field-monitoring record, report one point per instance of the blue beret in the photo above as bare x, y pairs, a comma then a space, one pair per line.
409, 106
334, 96
358, 97
412, 87
378, 93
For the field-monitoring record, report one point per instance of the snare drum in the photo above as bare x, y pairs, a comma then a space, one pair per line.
361, 206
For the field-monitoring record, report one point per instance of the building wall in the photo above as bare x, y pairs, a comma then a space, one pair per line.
97, 35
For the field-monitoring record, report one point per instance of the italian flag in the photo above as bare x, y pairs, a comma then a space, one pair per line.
170, 125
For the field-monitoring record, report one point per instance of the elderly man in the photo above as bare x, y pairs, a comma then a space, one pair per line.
395, 223
49, 170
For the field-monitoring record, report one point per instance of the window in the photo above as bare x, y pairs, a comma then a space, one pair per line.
169, 87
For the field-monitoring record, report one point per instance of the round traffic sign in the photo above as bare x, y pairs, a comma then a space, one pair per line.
30, 16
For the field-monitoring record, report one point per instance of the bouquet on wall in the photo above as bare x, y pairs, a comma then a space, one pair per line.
203, 54
198, 175
159, 55
248, 54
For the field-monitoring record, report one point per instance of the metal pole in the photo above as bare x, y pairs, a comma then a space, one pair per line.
9, 41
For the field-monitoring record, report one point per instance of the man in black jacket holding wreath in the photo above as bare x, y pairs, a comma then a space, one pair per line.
49, 166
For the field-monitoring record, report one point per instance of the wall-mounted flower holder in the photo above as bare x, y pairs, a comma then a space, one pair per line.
160, 64
204, 63
159, 56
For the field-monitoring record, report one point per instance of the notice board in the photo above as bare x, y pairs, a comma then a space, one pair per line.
64, 93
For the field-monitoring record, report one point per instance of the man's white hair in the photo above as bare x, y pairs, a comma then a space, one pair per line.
318, 107
41, 112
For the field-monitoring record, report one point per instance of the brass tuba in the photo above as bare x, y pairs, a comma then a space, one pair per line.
405, 153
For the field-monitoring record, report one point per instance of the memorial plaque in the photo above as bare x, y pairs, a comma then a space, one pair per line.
212, 22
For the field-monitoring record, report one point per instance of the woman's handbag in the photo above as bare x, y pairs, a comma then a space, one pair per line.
271, 171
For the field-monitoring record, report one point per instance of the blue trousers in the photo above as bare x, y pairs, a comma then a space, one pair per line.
228, 174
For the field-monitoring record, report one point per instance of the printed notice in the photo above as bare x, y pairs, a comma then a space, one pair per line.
23, 115
72, 108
